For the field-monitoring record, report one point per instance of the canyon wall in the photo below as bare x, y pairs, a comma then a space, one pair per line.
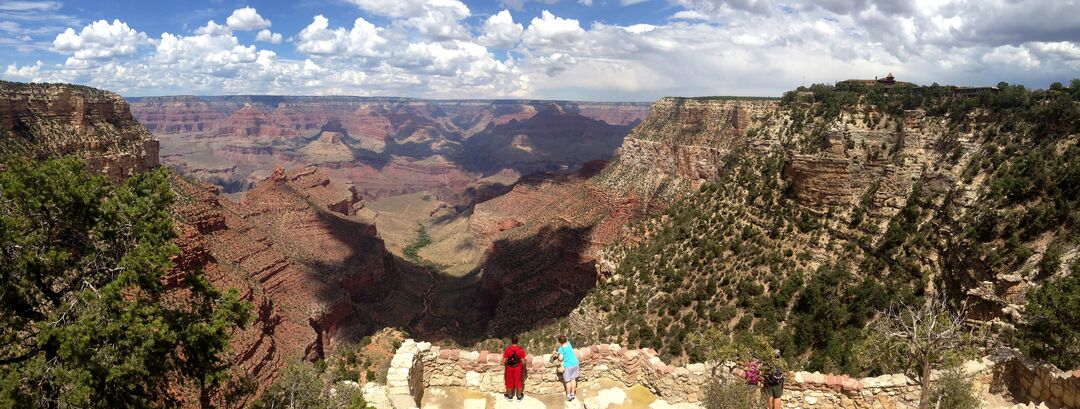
301, 249
383, 146
50, 120
544, 237
683, 143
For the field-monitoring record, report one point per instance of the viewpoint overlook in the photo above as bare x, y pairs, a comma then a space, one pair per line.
241, 232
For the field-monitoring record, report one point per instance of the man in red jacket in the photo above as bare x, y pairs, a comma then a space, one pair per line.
514, 361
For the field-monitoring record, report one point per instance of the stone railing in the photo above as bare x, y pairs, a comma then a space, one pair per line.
417, 366
405, 378
1030, 382
816, 390
482, 370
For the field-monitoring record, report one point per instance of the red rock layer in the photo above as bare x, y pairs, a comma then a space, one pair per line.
296, 251
388, 146
542, 238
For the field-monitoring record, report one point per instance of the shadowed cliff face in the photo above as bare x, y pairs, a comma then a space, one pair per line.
384, 146
50, 120
299, 252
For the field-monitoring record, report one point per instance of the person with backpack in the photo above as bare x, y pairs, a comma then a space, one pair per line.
514, 361
570, 368
774, 387
752, 373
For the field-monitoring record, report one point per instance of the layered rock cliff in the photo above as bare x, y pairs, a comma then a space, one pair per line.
304, 253
682, 144
301, 248
48, 120
386, 146
829, 206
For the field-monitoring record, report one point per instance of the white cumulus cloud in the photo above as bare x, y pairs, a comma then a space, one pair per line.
214, 29
265, 35
550, 31
437, 19
26, 72
437, 48
363, 40
100, 40
500, 31
246, 19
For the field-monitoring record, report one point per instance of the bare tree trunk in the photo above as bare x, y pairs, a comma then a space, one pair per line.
924, 384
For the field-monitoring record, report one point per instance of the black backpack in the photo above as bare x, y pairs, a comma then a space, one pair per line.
513, 360
775, 377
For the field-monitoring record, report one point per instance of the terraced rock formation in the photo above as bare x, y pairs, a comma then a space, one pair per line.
303, 253
834, 204
383, 146
49, 120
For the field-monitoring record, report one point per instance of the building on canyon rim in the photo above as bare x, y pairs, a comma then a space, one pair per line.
888, 82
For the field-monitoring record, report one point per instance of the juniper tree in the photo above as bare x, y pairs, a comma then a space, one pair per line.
917, 340
84, 320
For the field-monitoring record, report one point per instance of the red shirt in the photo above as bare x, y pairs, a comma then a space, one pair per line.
514, 349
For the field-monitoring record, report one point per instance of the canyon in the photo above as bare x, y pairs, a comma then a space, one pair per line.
303, 243
461, 222
460, 150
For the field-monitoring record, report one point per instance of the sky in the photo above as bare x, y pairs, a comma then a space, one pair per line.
600, 50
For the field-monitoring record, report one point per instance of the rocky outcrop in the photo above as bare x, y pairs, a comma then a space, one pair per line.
300, 248
50, 120
681, 144
860, 158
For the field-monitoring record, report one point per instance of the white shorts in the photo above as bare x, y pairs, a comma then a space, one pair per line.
570, 373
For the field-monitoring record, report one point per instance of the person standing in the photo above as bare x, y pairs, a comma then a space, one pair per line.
570, 367
774, 387
514, 362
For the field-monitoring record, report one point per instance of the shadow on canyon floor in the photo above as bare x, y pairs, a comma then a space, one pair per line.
522, 284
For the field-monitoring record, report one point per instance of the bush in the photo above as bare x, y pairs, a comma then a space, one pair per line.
731, 395
298, 387
953, 391
1052, 332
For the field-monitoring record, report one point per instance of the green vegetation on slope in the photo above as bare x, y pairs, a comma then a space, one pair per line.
1053, 328
85, 320
412, 251
734, 256
301, 386
741, 255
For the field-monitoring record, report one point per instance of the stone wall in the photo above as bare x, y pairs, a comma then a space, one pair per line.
826, 391
482, 370
1030, 382
405, 380
417, 366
